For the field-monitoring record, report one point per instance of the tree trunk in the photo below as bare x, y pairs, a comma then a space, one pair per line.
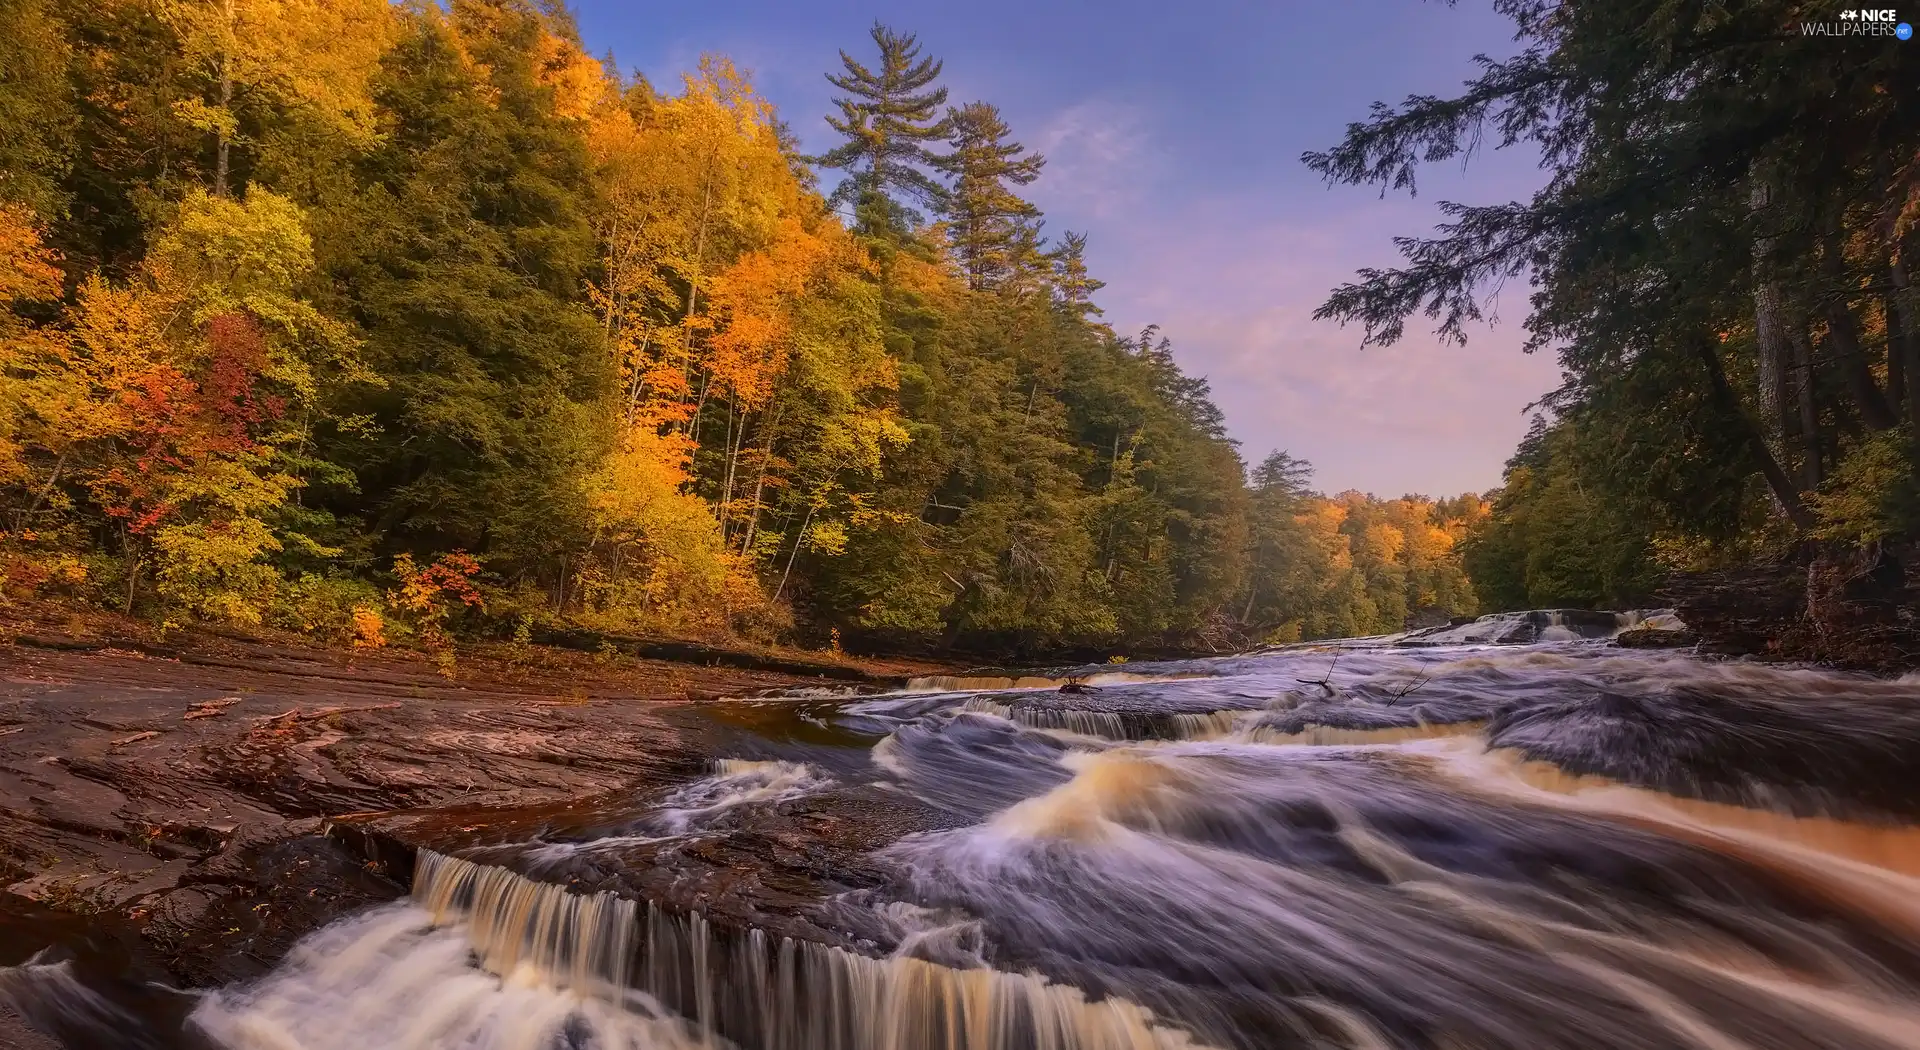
798, 539
760, 482
223, 147
1903, 312
133, 584
1782, 486
223, 144
693, 286
1843, 332
736, 438
1855, 370
1811, 474
1896, 357
22, 521
1769, 328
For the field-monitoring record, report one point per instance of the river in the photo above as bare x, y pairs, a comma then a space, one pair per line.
1527, 847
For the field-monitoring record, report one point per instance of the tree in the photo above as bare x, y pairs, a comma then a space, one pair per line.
468, 257
991, 228
311, 309
1560, 535
320, 53
1073, 286
888, 116
1722, 189
163, 408
37, 113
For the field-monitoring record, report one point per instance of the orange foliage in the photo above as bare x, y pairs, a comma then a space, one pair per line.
578, 82
754, 300
29, 270
369, 630
427, 596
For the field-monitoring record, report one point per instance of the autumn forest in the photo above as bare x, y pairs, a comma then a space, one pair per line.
382, 322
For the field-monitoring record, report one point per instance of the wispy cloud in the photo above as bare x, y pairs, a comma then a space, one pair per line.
1100, 161
1236, 293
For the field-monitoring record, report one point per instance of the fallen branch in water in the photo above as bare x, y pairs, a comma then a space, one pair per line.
1424, 678
1326, 682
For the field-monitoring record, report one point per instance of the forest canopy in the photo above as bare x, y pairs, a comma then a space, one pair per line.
374, 321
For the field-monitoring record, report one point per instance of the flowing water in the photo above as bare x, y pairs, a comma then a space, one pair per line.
1561, 845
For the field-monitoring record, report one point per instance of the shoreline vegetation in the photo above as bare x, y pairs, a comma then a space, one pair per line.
421, 324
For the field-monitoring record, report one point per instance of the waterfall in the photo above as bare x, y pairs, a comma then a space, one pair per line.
1086, 723
582, 941
763, 993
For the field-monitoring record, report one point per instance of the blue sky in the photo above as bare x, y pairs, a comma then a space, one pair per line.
1173, 134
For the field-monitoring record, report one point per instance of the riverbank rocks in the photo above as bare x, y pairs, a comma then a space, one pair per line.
1851, 608
123, 801
1656, 638
1519, 628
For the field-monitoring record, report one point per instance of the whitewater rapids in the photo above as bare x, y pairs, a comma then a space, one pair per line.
1556, 846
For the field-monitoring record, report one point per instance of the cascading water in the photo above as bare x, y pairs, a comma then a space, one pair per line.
1558, 846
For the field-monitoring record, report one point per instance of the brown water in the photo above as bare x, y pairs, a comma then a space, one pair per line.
1558, 846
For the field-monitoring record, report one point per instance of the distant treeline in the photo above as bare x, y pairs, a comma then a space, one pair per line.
368, 319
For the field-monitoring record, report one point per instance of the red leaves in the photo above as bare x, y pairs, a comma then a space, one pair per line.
452, 577
176, 420
449, 578
425, 595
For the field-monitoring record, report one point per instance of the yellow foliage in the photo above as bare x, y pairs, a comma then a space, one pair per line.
579, 83
369, 629
37, 572
166, 399
323, 53
1285, 634
756, 301
1383, 542
1856, 503
29, 270
428, 596
1322, 520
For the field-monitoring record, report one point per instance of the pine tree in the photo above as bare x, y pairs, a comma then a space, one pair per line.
993, 230
888, 117
1073, 286
471, 245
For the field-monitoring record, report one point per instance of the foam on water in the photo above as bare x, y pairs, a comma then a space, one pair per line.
396, 979
693, 807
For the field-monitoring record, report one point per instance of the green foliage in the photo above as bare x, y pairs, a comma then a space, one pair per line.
465, 264
1560, 534
37, 112
331, 608
1870, 496
992, 230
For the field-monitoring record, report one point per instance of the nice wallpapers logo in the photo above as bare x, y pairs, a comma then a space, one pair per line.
1883, 21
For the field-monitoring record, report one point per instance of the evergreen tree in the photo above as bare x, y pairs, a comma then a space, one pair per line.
1722, 200
992, 229
470, 245
1560, 534
1073, 286
888, 115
